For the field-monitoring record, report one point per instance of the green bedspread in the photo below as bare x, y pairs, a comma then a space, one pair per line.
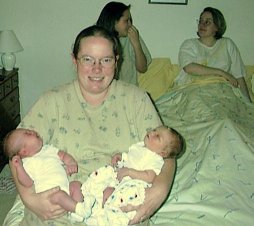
214, 182
7, 193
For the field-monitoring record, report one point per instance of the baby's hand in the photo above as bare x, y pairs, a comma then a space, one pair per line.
122, 172
116, 158
70, 169
16, 161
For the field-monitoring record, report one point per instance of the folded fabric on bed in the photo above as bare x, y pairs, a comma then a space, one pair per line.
7, 192
7, 185
214, 183
159, 77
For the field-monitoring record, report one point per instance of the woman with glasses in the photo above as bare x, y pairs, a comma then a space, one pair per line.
211, 53
116, 17
92, 118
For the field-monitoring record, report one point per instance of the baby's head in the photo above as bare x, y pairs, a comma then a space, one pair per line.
22, 142
165, 141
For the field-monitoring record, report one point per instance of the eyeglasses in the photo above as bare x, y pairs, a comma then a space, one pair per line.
106, 62
205, 22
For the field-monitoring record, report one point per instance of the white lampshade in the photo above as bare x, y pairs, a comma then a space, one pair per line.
9, 44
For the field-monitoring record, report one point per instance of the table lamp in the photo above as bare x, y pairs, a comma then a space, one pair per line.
9, 44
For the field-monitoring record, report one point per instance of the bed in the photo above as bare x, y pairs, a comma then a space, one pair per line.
214, 182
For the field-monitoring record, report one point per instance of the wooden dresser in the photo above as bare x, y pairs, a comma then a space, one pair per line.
9, 106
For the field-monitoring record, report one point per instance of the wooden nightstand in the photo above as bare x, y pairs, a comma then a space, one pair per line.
9, 106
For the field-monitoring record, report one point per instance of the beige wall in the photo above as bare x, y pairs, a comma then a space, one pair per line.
47, 29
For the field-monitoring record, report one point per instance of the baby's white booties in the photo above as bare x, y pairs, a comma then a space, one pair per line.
83, 209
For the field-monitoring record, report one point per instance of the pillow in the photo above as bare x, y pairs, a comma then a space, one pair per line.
159, 77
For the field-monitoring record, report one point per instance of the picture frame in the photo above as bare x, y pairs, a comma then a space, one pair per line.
175, 2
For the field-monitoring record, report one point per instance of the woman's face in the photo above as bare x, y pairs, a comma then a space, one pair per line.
96, 64
206, 26
123, 24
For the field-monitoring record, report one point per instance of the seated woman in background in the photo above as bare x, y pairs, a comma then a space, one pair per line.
116, 17
211, 54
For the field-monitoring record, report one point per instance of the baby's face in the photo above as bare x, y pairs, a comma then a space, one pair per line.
29, 140
158, 139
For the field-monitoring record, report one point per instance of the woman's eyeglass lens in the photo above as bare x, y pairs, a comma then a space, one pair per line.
106, 62
206, 22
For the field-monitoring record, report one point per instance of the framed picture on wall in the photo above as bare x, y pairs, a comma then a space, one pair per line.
176, 2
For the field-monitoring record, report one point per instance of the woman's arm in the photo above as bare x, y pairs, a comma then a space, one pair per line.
199, 69
156, 195
140, 58
39, 203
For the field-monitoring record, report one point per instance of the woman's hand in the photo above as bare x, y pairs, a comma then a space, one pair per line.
122, 172
42, 206
243, 87
133, 35
39, 203
70, 169
140, 58
230, 78
153, 199
155, 195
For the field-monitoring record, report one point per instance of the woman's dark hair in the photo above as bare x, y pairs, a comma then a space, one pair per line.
99, 32
110, 14
218, 20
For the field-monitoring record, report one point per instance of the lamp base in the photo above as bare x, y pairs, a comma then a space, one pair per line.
8, 60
